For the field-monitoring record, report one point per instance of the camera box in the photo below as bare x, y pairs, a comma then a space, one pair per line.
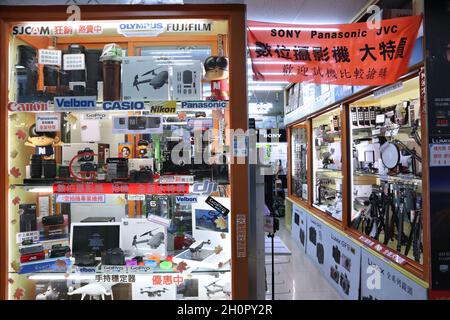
144, 78
138, 163
141, 237
70, 150
186, 81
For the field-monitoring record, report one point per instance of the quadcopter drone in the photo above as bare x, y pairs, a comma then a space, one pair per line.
152, 292
197, 246
214, 288
211, 217
157, 82
153, 242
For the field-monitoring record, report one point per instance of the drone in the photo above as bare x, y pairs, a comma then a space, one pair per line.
157, 82
214, 288
197, 246
153, 242
211, 217
151, 292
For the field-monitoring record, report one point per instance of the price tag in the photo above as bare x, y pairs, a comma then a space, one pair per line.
48, 122
74, 61
50, 57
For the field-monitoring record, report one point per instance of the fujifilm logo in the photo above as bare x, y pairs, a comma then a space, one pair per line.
186, 199
75, 103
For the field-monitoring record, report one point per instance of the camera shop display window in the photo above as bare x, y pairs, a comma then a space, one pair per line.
299, 162
119, 184
387, 168
327, 163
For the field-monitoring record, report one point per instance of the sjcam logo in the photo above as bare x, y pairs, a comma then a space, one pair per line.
31, 30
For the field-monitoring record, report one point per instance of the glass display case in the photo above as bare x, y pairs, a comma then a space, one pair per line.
299, 162
387, 168
110, 196
327, 163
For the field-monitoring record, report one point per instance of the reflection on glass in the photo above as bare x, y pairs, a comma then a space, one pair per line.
327, 163
299, 156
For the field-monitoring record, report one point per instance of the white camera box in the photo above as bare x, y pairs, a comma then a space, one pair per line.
70, 150
141, 236
144, 78
186, 81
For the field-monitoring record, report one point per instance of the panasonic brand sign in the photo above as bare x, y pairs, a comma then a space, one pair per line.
75, 103
204, 104
123, 105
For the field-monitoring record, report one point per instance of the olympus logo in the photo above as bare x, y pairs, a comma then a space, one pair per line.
37, 106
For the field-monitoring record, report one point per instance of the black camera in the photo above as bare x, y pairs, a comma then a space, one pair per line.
113, 257
334, 274
88, 155
346, 262
302, 237
88, 167
344, 283
312, 235
59, 250
142, 175
85, 259
336, 254
320, 253
28, 220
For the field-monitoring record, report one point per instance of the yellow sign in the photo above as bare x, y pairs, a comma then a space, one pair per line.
162, 107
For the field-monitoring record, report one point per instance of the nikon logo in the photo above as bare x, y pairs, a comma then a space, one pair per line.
163, 109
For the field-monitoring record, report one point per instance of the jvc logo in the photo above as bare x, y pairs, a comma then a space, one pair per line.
204, 188
373, 281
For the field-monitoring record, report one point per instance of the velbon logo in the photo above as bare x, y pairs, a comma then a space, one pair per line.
75, 102
186, 199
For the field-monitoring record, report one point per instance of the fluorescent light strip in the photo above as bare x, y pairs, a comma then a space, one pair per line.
62, 277
278, 62
41, 189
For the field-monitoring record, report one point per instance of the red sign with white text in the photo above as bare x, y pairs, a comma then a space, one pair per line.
120, 188
340, 54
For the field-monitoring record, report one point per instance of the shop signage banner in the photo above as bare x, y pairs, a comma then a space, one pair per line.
315, 248
341, 54
119, 188
381, 281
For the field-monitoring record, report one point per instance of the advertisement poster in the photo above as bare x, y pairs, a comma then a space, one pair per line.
316, 236
342, 264
299, 225
380, 281
342, 54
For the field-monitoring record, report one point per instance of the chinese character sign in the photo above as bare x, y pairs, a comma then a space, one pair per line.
341, 54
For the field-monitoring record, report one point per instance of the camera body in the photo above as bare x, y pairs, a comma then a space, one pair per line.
302, 237
334, 274
59, 251
344, 282
113, 257
85, 259
336, 254
142, 175
320, 253
312, 235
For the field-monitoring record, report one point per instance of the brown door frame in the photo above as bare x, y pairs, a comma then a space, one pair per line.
236, 16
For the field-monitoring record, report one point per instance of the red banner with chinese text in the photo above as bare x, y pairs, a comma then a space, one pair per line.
341, 54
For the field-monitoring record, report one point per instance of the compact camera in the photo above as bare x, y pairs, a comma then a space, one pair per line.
59, 250
336, 254
344, 282
312, 235
113, 257
346, 262
85, 259
302, 237
334, 274
320, 253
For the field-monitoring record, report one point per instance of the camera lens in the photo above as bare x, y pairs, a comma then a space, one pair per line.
49, 168
36, 166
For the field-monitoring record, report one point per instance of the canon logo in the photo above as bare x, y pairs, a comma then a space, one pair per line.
36, 106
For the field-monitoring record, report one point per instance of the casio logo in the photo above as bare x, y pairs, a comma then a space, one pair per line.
37, 106
123, 105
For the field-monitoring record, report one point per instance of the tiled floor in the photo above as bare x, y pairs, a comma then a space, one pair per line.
298, 279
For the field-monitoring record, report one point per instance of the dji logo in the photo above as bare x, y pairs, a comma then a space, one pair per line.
204, 188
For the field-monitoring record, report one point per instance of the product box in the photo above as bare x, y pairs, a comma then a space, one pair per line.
138, 163
70, 150
144, 78
141, 237
186, 81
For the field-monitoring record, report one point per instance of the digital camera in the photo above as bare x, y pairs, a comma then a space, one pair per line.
334, 274
312, 235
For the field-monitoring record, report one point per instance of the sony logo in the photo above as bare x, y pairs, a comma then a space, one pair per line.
37, 106
272, 135
123, 105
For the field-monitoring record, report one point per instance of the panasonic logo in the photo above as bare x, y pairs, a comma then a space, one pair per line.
204, 104
75, 102
37, 106
123, 105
